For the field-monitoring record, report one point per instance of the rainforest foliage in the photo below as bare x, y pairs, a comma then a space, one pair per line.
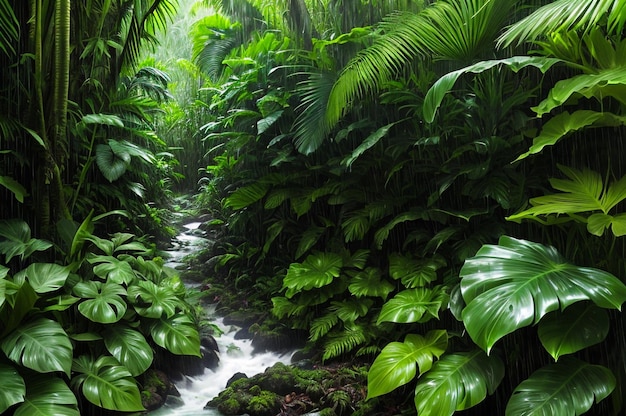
434, 186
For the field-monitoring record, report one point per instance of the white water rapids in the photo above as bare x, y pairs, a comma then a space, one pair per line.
236, 355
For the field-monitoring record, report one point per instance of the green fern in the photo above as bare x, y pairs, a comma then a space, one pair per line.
351, 309
322, 325
283, 307
344, 342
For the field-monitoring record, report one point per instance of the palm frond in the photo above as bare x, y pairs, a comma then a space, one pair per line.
8, 28
213, 38
452, 30
310, 125
564, 15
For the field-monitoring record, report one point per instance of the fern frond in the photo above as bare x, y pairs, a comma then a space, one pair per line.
344, 342
322, 325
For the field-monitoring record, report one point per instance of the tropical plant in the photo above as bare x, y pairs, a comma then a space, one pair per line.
100, 318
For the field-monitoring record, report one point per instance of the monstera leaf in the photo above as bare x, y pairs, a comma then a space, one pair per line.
577, 327
43, 277
13, 387
129, 347
154, 301
317, 270
396, 364
103, 302
107, 384
47, 395
414, 305
41, 345
457, 382
177, 334
568, 387
514, 284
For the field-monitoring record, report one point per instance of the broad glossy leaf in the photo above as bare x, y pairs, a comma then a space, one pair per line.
443, 85
20, 300
514, 284
267, 122
41, 345
414, 272
350, 310
317, 270
114, 270
154, 301
564, 123
19, 192
368, 142
129, 347
58, 303
48, 395
599, 84
112, 164
368, 283
246, 195
44, 277
414, 305
457, 382
13, 388
106, 384
177, 334
576, 328
16, 234
568, 387
103, 302
396, 364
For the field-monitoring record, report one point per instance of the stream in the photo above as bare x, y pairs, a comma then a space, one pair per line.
236, 355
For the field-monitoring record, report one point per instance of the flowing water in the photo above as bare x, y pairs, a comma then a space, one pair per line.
236, 355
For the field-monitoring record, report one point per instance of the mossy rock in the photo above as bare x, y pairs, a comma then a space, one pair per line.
156, 386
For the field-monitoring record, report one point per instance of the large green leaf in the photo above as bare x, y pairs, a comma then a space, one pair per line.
129, 347
177, 334
41, 345
367, 143
413, 272
568, 387
564, 123
414, 305
19, 302
443, 85
13, 387
600, 85
103, 302
113, 270
583, 192
395, 365
19, 192
317, 270
577, 327
47, 395
154, 301
44, 277
246, 195
457, 382
368, 283
106, 383
112, 165
514, 284
17, 240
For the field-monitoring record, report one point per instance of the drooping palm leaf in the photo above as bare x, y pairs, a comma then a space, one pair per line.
456, 30
310, 126
9, 27
443, 85
457, 382
515, 283
568, 387
565, 123
106, 383
396, 364
563, 15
